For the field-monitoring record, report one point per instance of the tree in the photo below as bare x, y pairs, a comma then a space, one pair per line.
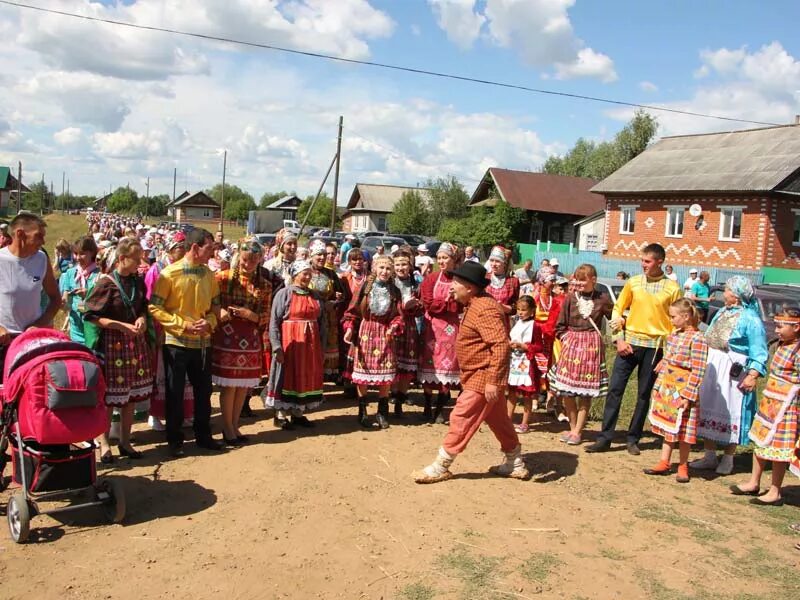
410, 214
155, 206
123, 200
32, 201
238, 203
320, 215
598, 161
447, 199
268, 198
485, 227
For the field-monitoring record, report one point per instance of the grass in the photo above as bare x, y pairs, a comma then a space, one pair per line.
417, 591
612, 554
702, 532
478, 575
539, 566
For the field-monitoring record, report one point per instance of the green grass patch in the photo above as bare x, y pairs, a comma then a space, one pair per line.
539, 566
477, 574
417, 591
612, 554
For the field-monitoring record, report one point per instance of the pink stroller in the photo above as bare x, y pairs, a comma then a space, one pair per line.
52, 410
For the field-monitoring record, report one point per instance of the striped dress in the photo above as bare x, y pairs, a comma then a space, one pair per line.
680, 374
775, 428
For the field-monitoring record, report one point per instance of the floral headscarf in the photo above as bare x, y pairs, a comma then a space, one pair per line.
546, 274
298, 267
742, 288
316, 248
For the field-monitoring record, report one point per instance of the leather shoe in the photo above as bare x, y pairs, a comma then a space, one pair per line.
598, 446
176, 450
209, 444
633, 449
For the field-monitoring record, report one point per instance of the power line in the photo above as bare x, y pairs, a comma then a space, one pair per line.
368, 63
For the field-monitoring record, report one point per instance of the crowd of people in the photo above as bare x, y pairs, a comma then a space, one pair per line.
174, 314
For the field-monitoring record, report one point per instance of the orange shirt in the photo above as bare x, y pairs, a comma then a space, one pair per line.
482, 345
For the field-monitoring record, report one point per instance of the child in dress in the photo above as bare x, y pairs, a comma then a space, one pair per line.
372, 325
673, 407
408, 341
775, 426
523, 378
579, 374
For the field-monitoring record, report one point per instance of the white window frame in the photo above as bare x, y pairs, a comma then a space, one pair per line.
206, 212
622, 210
722, 236
796, 227
682, 210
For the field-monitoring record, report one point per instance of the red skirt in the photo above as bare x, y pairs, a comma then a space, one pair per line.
127, 368
374, 360
237, 354
581, 367
687, 431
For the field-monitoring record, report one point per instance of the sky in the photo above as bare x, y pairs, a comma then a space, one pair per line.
111, 106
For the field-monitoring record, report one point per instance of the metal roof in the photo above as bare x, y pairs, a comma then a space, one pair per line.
279, 204
766, 159
539, 192
369, 197
197, 199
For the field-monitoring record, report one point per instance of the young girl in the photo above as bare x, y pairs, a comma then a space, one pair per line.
579, 375
775, 427
353, 280
523, 378
673, 408
64, 258
408, 341
373, 321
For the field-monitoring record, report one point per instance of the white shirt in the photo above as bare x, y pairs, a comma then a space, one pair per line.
671, 276
21, 285
687, 285
421, 260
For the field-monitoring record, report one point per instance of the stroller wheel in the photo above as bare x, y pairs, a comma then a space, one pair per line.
19, 518
115, 504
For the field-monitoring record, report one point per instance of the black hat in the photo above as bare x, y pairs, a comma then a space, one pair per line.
471, 272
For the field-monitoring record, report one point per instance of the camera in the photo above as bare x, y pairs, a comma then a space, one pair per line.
736, 370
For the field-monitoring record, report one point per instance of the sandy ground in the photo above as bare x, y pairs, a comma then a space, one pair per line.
333, 513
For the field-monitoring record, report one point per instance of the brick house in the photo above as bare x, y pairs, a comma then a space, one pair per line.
729, 200
553, 203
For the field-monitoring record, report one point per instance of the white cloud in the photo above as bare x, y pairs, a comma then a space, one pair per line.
339, 28
459, 20
648, 86
539, 30
129, 145
588, 64
763, 85
68, 136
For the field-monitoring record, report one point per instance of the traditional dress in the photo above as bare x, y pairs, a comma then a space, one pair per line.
581, 366
297, 325
326, 284
504, 289
375, 360
680, 373
237, 347
523, 377
735, 336
439, 363
547, 310
353, 284
775, 427
127, 358
408, 343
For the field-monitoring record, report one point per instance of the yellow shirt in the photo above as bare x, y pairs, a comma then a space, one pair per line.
649, 300
185, 293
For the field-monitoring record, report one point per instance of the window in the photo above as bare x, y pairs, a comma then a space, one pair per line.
796, 230
382, 224
730, 223
627, 219
674, 221
206, 212
288, 215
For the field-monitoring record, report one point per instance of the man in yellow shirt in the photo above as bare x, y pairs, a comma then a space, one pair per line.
639, 337
185, 301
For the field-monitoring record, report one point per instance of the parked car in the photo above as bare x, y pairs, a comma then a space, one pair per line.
371, 243
266, 239
610, 286
433, 247
362, 235
770, 298
411, 239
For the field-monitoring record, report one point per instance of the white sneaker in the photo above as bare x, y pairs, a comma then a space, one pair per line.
725, 465
155, 424
708, 462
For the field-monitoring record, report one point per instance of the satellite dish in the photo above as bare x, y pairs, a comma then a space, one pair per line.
695, 210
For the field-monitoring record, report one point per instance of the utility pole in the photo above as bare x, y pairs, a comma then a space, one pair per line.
174, 182
41, 203
336, 176
147, 199
63, 198
19, 186
52, 198
222, 208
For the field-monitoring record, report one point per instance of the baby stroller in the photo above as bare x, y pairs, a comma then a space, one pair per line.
52, 409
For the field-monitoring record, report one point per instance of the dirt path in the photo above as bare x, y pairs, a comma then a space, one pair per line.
333, 513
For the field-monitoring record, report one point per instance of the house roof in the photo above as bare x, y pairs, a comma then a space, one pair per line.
600, 214
196, 199
766, 159
282, 203
9, 182
177, 198
370, 197
540, 192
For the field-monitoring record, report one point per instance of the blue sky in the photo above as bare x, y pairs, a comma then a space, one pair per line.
111, 106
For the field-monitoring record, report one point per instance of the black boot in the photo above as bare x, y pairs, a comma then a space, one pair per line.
438, 414
427, 415
362, 414
398, 405
383, 413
